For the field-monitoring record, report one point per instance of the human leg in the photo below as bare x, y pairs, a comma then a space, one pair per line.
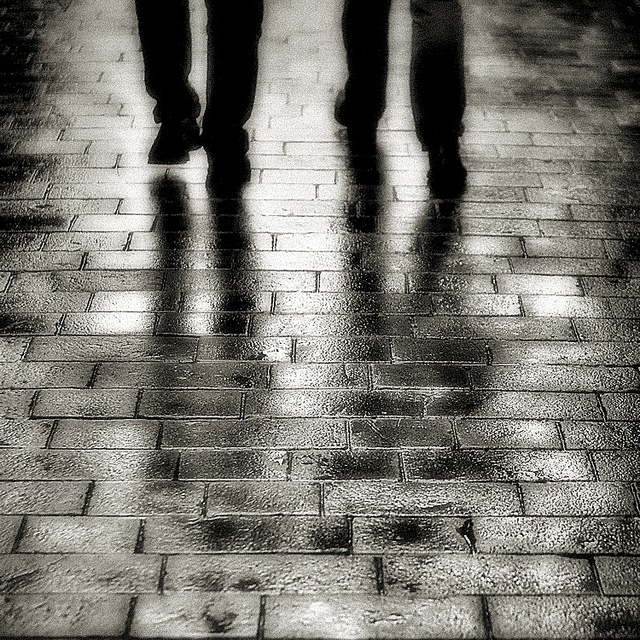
165, 38
234, 30
365, 31
438, 89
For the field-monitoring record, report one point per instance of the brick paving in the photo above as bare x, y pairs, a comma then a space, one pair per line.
324, 410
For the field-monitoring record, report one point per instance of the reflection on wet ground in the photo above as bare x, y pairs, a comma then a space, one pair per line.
330, 406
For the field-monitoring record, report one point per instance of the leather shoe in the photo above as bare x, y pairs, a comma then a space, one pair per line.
361, 134
447, 175
174, 141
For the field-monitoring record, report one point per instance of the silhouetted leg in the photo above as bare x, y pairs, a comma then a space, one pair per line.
438, 90
234, 28
165, 37
365, 30
437, 68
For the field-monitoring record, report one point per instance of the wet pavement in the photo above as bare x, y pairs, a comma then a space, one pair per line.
324, 409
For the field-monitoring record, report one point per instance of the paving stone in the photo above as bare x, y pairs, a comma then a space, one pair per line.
181, 375
278, 498
334, 403
259, 432
85, 403
16, 432
619, 575
555, 378
454, 574
359, 497
77, 615
105, 434
220, 465
246, 534
188, 404
146, 498
564, 617
78, 534
559, 534
497, 466
601, 435
617, 465
361, 617
357, 465
112, 348
33, 573
52, 498
508, 434
400, 433
36, 464
9, 529
196, 615
578, 498
409, 535
293, 574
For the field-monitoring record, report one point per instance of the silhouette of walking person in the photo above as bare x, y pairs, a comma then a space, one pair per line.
436, 82
233, 31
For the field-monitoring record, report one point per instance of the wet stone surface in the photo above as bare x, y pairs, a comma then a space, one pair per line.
321, 409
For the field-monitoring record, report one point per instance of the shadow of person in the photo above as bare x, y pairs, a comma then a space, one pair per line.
200, 252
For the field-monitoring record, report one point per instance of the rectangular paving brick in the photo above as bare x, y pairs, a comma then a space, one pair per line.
387, 433
617, 465
79, 573
189, 403
271, 574
564, 617
362, 617
183, 375
53, 498
497, 466
334, 403
508, 434
85, 403
233, 534
409, 535
17, 432
105, 434
77, 615
277, 498
455, 574
9, 529
258, 432
224, 465
359, 497
196, 615
112, 348
619, 575
578, 498
137, 498
601, 435
86, 465
558, 534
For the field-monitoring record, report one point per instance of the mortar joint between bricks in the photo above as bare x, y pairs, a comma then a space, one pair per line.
262, 613
601, 406
486, 617
130, 613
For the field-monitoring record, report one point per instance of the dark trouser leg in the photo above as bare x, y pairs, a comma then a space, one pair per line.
437, 69
365, 30
165, 37
234, 28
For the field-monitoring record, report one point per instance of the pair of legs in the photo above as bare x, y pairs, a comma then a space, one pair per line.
437, 84
233, 30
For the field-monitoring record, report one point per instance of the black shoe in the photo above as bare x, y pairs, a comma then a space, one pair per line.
228, 172
361, 134
174, 141
447, 175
